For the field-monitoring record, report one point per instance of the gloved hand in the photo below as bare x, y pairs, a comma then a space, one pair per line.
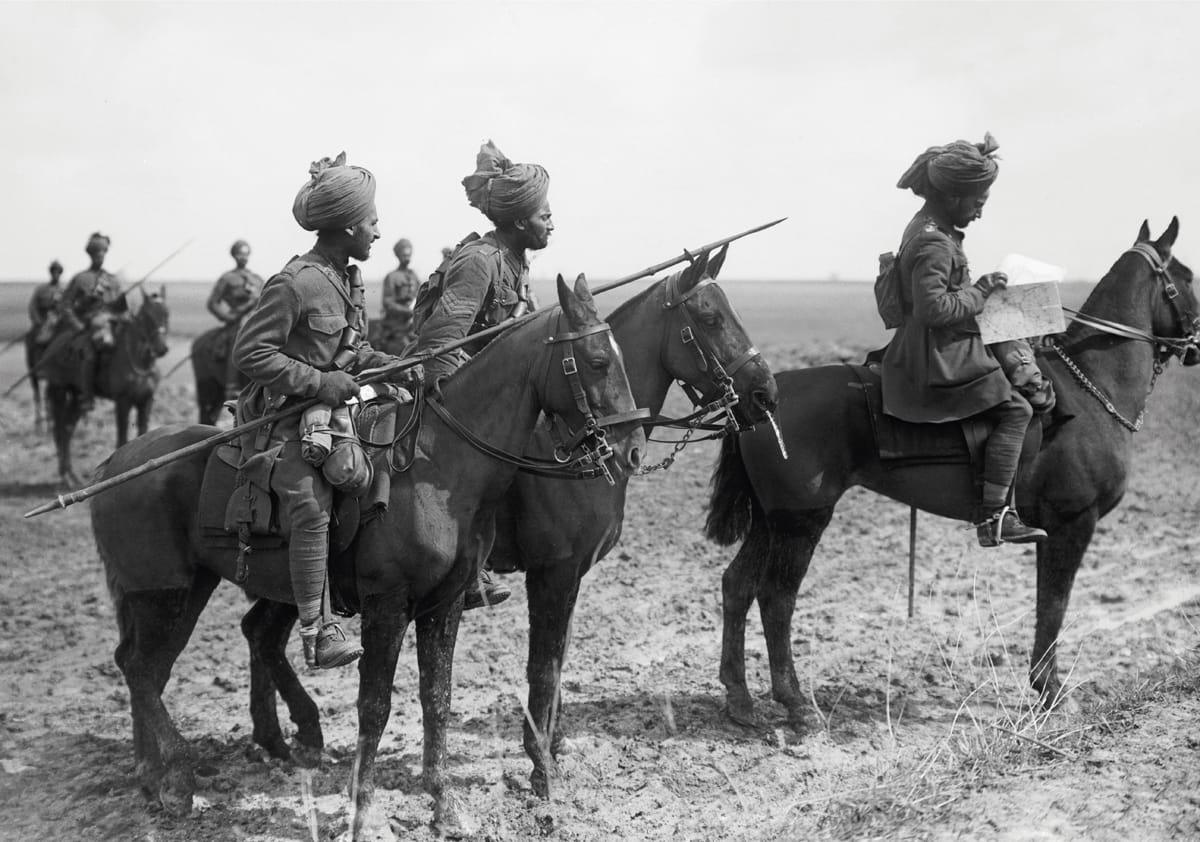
989, 283
414, 377
336, 388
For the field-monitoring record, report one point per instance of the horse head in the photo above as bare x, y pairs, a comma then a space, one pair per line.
1175, 313
708, 348
593, 397
152, 320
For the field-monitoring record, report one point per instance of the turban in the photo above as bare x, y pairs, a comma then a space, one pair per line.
54, 264
505, 191
95, 240
238, 244
337, 196
957, 169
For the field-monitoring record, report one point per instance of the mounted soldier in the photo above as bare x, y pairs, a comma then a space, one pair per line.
305, 339
936, 367
90, 307
43, 306
232, 298
399, 292
485, 280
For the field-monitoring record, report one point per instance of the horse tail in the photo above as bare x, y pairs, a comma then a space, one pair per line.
733, 506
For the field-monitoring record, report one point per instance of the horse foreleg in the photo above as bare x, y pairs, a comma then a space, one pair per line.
384, 620
65, 414
739, 584
39, 422
122, 407
267, 627
437, 634
161, 623
794, 537
552, 592
143, 415
1058, 560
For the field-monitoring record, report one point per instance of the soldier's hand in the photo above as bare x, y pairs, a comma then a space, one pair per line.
989, 283
336, 388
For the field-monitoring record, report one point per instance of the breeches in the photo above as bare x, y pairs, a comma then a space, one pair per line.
304, 501
1003, 447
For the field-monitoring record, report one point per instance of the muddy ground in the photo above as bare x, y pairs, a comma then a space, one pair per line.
919, 728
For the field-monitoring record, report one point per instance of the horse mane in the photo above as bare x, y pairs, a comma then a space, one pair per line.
543, 315
630, 303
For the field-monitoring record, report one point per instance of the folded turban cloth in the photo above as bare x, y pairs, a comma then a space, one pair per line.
505, 191
96, 240
957, 169
337, 196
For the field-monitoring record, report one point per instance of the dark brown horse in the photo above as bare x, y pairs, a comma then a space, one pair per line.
680, 329
1142, 312
411, 563
128, 375
210, 360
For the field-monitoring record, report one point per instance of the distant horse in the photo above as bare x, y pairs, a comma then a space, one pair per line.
681, 328
33, 353
210, 358
128, 375
412, 562
1142, 312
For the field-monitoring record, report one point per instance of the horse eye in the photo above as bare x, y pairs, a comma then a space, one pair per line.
598, 363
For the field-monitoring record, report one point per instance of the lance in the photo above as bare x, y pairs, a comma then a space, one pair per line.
176, 367
376, 375
14, 342
63, 339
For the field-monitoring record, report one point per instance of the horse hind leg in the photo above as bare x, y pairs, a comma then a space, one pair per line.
267, 627
156, 626
794, 538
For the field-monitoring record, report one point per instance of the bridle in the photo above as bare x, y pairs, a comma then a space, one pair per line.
720, 400
1165, 346
590, 441
138, 336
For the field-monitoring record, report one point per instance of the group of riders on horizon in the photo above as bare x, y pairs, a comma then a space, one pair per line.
303, 334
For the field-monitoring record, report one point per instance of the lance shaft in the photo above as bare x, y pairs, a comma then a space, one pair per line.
377, 375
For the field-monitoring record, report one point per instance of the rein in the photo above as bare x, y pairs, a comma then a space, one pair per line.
590, 439
1166, 346
138, 341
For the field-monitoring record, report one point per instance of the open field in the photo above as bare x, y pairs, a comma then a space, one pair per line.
920, 728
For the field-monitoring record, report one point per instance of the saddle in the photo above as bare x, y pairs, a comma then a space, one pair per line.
238, 513
904, 443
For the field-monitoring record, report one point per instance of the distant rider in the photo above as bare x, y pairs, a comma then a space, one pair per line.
90, 306
232, 298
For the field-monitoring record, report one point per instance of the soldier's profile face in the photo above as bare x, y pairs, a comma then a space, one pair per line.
364, 234
538, 228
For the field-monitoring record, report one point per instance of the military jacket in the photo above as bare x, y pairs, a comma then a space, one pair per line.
238, 290
90, 292
936, 367
295, 331
481, 284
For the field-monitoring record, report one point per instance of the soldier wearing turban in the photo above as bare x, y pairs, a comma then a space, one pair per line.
485, 280
233, 296
43, 306
90, 305
937, 368
305, 339
399, 292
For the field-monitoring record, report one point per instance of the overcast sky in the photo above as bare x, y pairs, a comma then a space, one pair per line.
663, 126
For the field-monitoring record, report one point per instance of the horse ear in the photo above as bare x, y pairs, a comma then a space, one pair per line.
1143, 232
162, 292
573, 305
714, 265
694, 272
1167, 239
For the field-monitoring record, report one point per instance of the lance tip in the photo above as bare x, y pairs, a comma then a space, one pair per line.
58, 503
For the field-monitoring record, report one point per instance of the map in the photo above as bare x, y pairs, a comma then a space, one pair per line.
1029, 306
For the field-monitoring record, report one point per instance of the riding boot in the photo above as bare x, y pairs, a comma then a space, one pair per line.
325, 644
486, 591
999, 523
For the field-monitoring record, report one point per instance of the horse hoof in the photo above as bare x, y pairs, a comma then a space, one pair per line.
451, 819
175, 794
539, 782
369, 827
741, 712
307, 757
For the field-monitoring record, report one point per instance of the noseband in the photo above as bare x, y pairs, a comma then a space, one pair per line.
722, 398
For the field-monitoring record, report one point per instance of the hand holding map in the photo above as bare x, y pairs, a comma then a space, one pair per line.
1028, 306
